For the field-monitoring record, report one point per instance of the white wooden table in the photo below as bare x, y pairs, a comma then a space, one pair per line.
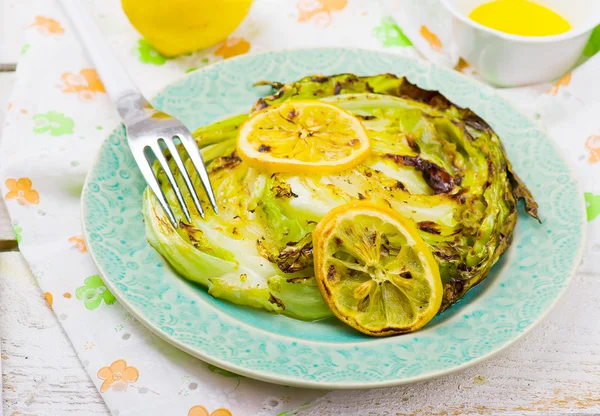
554, 370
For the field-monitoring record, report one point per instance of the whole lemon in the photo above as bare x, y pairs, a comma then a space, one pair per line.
175, 27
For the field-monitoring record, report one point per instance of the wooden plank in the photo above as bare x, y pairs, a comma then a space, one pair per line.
14, 16
40, 369
553, 371
7, 235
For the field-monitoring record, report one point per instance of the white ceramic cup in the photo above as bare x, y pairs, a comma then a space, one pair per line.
509, 60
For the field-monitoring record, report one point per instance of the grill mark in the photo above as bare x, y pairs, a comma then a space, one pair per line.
437, 178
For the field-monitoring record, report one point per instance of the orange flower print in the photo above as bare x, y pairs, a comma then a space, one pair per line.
464, 67
593, 145
49, 298
233, 46
79, 243
117, 376
47, 26
21, 191
563, 82
319, 11
201, 411
431, 38
87, 83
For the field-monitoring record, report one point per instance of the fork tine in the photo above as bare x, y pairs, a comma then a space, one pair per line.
165, 166
184, 173
193, 151
152, 181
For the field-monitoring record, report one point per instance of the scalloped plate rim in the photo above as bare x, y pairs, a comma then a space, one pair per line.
296, 382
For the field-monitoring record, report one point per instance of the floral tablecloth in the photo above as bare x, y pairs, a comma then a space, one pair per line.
59, 114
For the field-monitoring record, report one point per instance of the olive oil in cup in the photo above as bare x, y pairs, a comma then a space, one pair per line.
520, 17
521, 42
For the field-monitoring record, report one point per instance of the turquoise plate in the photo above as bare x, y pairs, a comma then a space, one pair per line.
519, 291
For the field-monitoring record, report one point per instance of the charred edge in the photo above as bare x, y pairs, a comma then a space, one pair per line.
277, 302
429, 227
185, 227
361, 196
367, 117
331, 272
439, 102
406, 275
400, 186
491, 167
275, 84
319, 78
298, 279
165, 225
283, 191
264, 148
473, 120
225, 162
292, 114
374, 237
278, 94
520, 191
459, 197
437, 178
189, 231
260, 104
413, 144
445, 256
468, 135
453, 291
409, 90
292, 259
338, 241
337, 89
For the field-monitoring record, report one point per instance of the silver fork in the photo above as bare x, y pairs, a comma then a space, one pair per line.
147, 128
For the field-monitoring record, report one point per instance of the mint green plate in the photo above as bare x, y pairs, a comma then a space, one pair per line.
519, 291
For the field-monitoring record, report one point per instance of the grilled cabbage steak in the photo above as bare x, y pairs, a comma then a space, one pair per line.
432, 162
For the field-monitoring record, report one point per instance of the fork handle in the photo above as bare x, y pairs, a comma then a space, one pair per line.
117, 82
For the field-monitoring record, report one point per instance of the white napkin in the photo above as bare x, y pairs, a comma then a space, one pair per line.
59, 115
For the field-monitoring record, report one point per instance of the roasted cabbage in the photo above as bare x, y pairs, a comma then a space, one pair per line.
436, 163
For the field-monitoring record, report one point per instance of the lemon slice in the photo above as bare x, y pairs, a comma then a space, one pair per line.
303, 137
374, 270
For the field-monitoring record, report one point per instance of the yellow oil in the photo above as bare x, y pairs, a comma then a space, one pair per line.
520, 17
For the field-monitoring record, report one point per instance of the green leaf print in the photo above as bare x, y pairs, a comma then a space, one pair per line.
148, 55
24, 48
389, 34
592, 203
55, 123
93, 291
17, 230
593, 44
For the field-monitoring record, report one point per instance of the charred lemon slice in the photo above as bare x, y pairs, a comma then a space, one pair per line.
303, 137
374, 270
